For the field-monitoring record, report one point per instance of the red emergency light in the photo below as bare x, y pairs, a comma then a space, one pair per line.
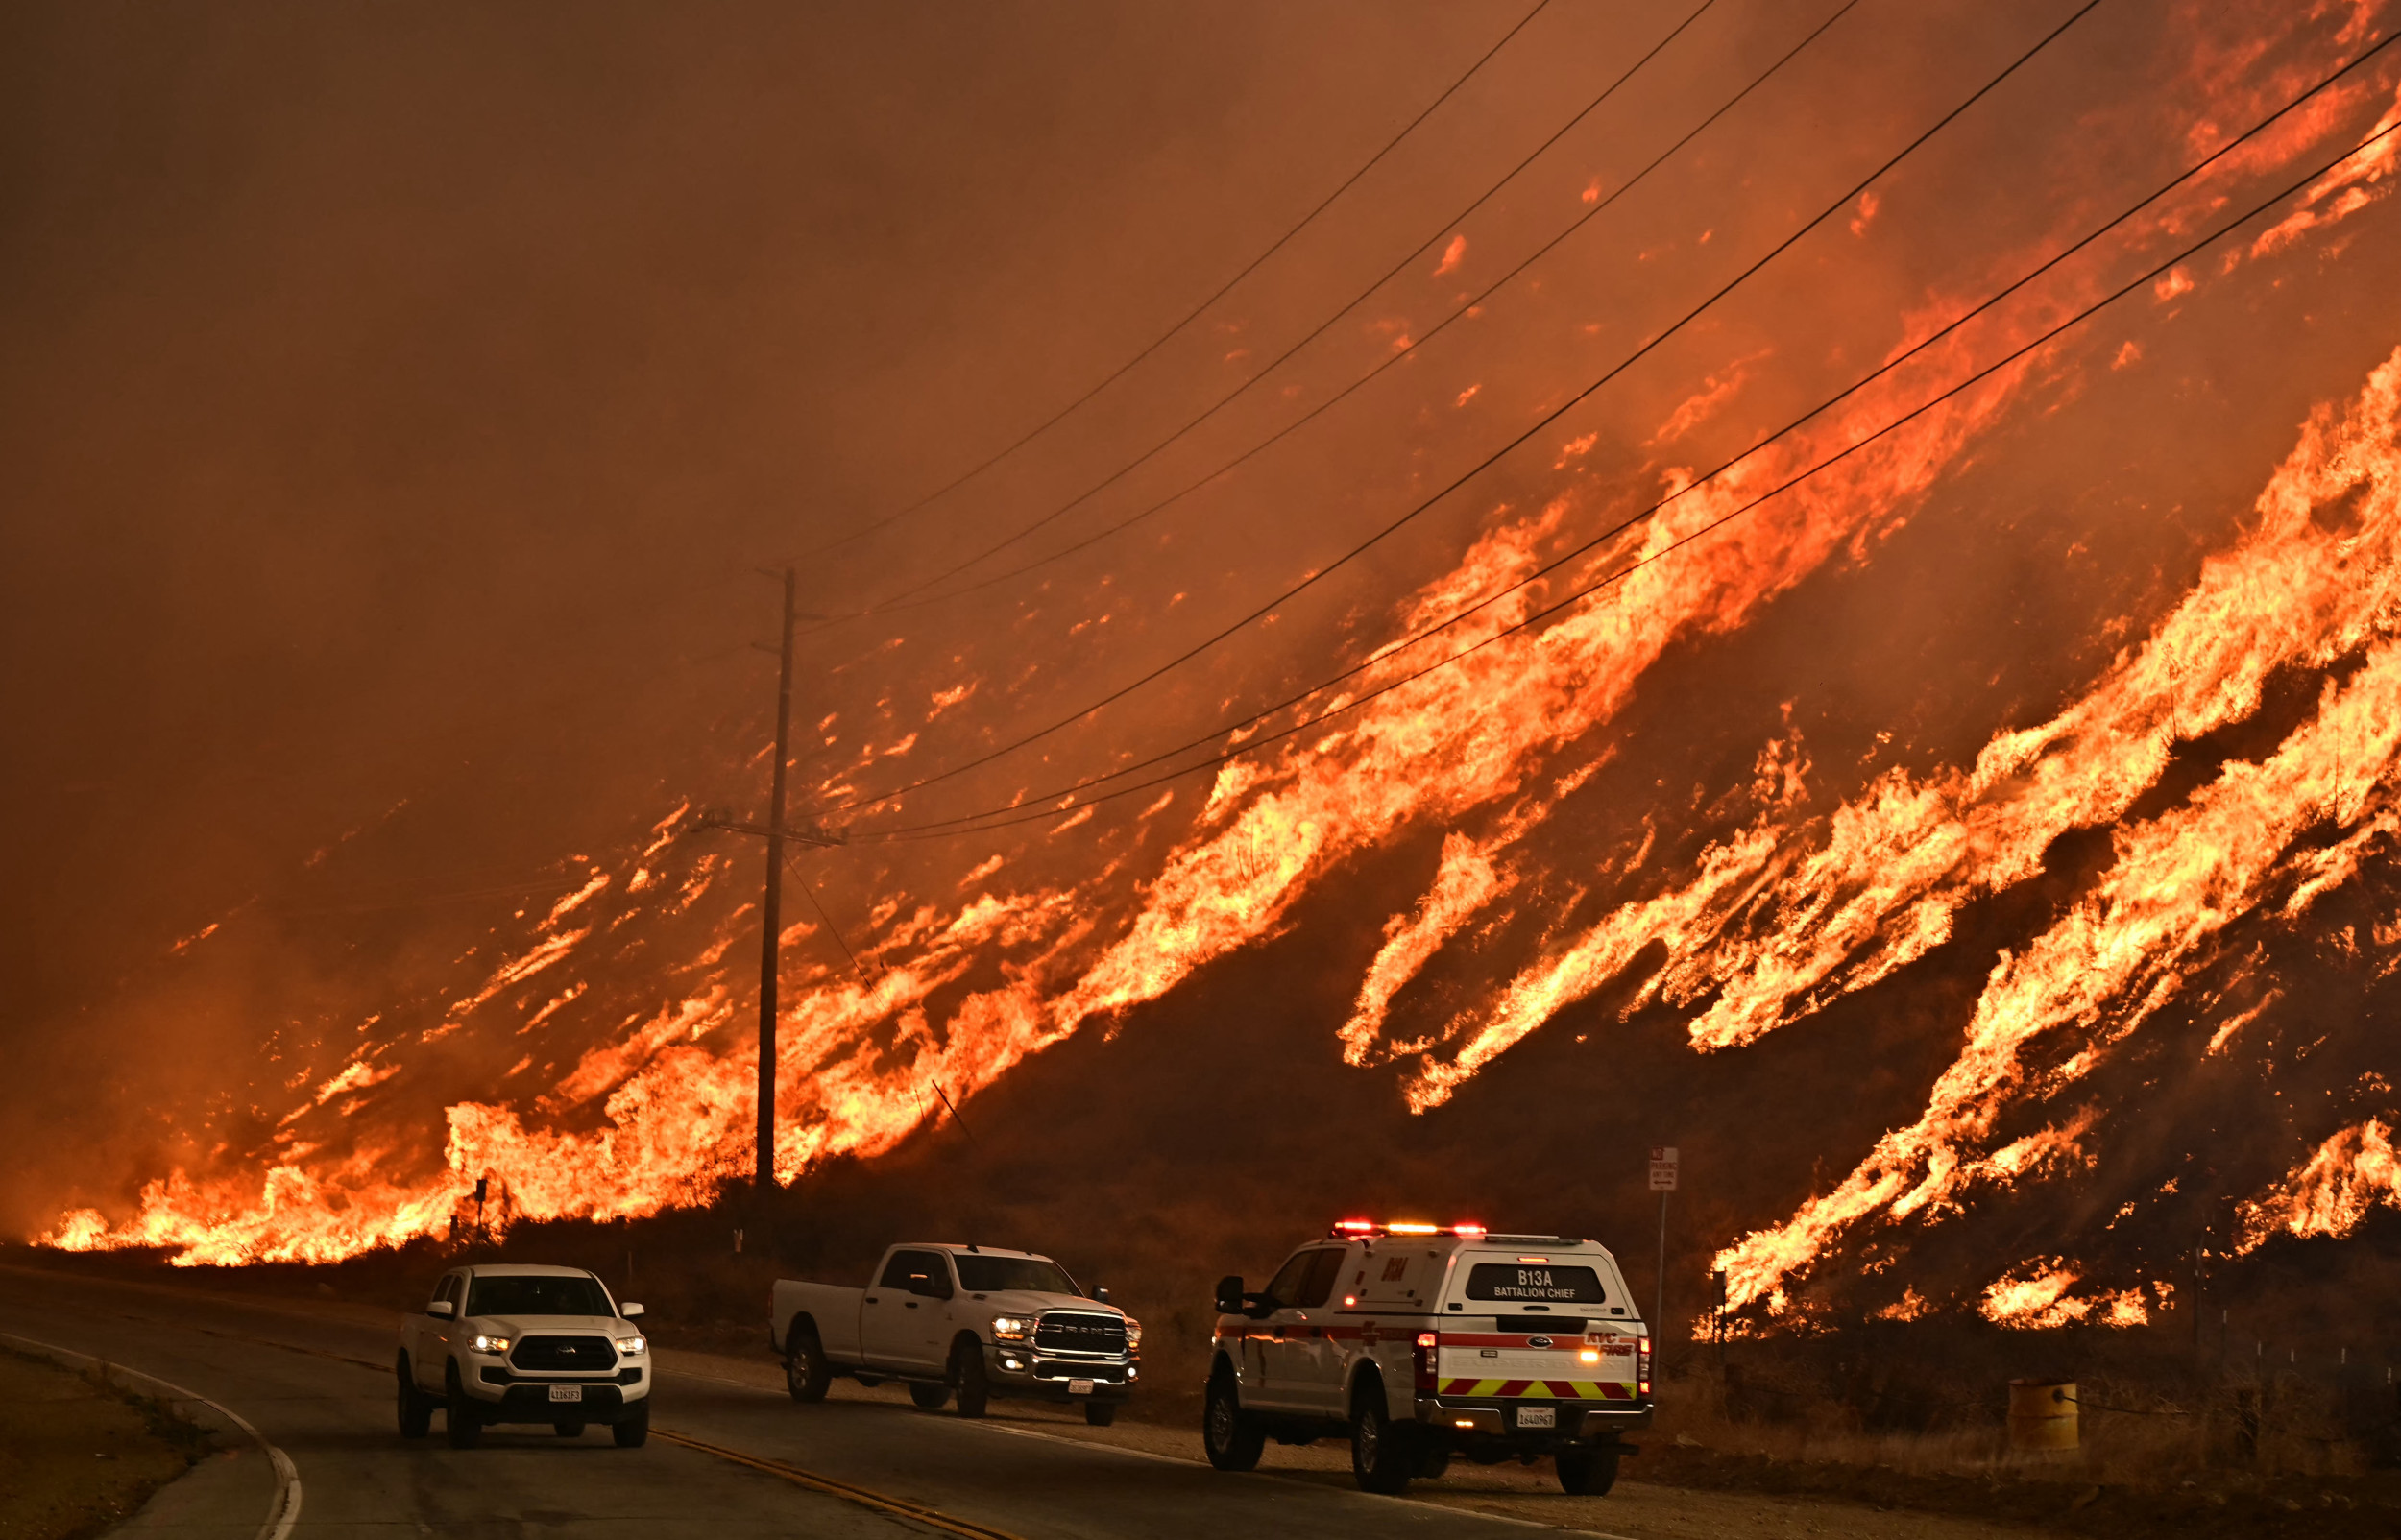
1356, 1229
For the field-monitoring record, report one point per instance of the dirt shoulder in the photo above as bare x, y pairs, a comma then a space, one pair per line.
77, 1455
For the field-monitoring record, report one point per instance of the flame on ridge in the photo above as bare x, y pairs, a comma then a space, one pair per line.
660, 1113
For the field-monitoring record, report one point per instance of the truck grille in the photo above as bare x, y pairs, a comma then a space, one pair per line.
1074, 1334
1078, 1369
579, 1355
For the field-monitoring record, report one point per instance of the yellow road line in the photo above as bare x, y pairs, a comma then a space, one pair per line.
898, 1506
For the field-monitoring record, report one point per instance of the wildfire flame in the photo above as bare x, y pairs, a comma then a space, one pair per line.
1773, 922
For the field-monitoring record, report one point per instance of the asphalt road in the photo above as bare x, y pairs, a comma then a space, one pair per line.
310, 1380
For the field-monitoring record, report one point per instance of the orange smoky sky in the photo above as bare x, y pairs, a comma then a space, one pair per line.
406, 401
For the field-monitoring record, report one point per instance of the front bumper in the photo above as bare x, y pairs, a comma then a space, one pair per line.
503, 1394
1022, 1373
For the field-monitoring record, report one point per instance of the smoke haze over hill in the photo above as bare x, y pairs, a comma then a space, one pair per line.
1960, 817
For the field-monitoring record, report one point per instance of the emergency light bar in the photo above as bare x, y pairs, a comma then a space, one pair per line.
1354, 1229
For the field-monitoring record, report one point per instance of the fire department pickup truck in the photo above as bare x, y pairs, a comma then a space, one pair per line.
1426, 1342
967, 1320
513, 1343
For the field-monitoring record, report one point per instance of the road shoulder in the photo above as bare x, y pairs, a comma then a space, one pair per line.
78, 1454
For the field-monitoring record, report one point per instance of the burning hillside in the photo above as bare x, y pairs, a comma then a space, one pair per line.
1670, 731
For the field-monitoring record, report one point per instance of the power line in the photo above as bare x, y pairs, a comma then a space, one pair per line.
1195, 314
1954, 325
1620, 367
1613, 579
1383, 364
1320, 330
831, 930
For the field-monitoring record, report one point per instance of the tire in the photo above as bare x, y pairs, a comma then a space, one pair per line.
967, 1373
632, 1429
1100, 1413
1589, 1472
1232, 1435
460, 1424
568, 1429
416, 1406
806, 1374
1383, 1454
929, 1396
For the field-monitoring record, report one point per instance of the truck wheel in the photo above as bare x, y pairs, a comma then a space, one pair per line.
806, 1372
975, 1387
416, 1406
1382, 1456
1100, 1413
459, 1421
929, 1396
1232, 1437
1589, 1472
633, 1427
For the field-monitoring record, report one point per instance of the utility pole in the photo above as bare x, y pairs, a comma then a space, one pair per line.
776, 831
772, 911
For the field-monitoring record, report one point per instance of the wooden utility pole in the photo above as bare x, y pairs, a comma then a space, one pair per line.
772, 910
778, 831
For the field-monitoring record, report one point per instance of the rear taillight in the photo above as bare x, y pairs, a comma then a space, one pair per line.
1643, 1364
1428, 1343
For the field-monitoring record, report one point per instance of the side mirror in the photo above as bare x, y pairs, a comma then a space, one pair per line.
1229, 1295
442, 1310
1258, 1306
1101, 1293
629, 1311
925, 1287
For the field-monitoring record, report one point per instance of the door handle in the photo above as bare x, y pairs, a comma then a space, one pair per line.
909, 1305
870, 1299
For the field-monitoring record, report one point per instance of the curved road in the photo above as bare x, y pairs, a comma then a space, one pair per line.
310, 1379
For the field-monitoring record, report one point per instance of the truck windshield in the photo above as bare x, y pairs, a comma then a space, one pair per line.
993, 1275
537, 1294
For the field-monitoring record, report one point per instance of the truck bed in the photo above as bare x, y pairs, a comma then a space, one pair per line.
831, 1309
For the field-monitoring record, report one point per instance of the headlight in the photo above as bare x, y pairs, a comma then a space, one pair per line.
490, 1344
631, 1345
1011, 1328
1133, 1333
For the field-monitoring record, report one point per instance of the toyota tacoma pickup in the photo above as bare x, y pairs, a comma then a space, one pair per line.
511, 1343
1426, 1342
967, 1321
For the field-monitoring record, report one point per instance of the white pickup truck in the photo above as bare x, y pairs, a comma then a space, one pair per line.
1423, 1343
971, 1321
510, 1343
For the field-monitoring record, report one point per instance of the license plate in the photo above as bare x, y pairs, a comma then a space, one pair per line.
1538, 1416
566, 1392
1080, 1388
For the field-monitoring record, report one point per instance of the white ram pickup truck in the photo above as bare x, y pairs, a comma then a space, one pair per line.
971, 1321
509, 1344
1423, 1343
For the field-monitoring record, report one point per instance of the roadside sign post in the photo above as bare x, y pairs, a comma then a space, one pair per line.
1663, 1168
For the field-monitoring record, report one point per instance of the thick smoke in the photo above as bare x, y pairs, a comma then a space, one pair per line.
1606, 841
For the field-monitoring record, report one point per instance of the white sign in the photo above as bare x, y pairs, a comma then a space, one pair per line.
1663, 1168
